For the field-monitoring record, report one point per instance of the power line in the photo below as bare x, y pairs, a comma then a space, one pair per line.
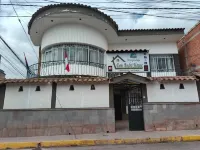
14, 67
24, 30
13, 52
8, 68
131, 13
169, 1
184, 8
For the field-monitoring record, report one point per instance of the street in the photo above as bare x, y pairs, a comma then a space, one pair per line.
158, 146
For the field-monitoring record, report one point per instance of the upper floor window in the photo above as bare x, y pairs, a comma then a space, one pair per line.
162, 63
76, 53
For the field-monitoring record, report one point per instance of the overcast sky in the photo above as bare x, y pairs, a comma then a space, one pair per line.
12, 31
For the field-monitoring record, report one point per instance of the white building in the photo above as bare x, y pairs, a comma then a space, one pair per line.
122, 73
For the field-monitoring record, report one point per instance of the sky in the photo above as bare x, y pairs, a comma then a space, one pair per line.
19, 41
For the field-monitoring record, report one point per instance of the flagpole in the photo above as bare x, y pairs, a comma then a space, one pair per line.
27, 69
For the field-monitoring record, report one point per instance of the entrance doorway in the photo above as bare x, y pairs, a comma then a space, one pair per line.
135, 108
128, 104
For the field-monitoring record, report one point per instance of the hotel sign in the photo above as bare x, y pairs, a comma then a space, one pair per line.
128, 62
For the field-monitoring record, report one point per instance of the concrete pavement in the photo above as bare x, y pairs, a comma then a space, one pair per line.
121, 137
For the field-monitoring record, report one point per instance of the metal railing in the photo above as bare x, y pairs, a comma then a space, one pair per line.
52, 68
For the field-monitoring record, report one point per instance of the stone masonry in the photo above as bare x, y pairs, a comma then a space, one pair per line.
171, 116
26, 123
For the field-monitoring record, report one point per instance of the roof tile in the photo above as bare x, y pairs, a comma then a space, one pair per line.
127, 50
63, 80
173, 78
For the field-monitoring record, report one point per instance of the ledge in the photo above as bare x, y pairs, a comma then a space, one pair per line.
57, 109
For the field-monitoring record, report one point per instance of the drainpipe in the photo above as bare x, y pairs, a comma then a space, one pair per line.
39, 61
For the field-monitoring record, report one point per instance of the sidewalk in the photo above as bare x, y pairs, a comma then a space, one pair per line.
121, 137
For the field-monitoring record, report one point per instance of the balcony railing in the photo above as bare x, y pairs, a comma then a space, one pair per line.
53, 68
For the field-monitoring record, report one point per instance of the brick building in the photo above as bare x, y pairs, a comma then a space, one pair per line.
189, 50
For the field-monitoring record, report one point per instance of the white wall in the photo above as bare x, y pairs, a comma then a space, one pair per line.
172, 93
28, 98
154, 48
75, 33
82, 96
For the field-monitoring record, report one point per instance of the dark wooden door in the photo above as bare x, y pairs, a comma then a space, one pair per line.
118, 105
135, 108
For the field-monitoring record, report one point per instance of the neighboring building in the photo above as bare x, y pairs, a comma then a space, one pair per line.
129, 75
189, 50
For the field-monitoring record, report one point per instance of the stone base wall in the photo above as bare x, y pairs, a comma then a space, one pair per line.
171, 116
47, 122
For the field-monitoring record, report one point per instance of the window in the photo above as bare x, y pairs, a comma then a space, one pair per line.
101, 57
162, 86
92, 87
181, 86
37, 88
162, 63
20, 89
93, 56
48, 55
77, 53
71, 88
60, 53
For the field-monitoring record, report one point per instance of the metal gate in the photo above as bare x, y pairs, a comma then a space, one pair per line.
135, 108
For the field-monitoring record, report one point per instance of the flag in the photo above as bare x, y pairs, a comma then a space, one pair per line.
66, 62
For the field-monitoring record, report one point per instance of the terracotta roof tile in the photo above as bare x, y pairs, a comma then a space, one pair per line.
126, 50
158, 29
57, 80
173, 78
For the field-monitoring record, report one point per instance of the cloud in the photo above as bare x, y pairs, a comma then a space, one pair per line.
12, 32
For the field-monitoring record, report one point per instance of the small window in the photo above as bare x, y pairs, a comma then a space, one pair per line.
181, 86
71, 88
162, 86
20, 88
92, 87
37, 88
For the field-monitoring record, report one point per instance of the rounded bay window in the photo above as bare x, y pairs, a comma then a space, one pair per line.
77, 53
83, 60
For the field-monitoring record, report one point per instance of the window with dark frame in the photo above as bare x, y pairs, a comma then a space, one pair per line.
92, 87
20, 89
162, 86
162, 63
37, 88
181, 86
71, 88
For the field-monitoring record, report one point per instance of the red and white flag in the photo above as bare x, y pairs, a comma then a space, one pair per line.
66, 62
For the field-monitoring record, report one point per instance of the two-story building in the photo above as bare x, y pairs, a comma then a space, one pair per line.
116, 79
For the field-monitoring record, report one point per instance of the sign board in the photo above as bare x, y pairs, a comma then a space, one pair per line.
128, 62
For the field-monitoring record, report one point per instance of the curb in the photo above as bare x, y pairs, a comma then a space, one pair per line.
68, 143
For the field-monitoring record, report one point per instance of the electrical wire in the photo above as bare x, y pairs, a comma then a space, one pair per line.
8, 68
24, 30
13, 66
184, 8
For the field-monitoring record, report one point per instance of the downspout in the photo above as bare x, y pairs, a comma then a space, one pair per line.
39, 61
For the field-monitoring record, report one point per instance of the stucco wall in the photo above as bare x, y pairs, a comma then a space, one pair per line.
172, 93
154, 48
43, 122
82, 96
28, 98
171, 116
74, 33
